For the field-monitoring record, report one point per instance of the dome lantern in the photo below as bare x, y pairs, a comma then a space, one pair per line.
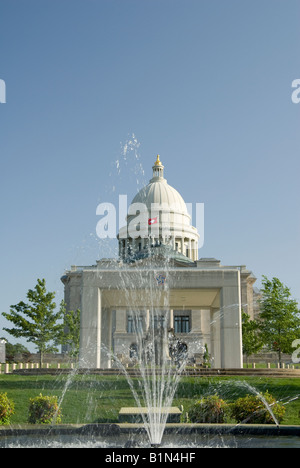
158, 169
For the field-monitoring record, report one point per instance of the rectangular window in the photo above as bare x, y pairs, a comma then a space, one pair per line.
134, 324
159, 321
181, 324
130, 326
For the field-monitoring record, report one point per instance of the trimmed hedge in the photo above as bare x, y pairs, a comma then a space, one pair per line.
253, 410
211, 409
44, 410
7, 408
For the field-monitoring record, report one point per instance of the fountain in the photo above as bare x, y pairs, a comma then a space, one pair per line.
145, 281
159, 360
157, 357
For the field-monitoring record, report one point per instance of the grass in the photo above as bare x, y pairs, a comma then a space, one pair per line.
91, 398
285, 390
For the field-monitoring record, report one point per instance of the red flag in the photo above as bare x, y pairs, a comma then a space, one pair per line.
152, 221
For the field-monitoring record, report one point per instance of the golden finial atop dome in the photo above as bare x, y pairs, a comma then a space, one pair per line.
158, 170
157, 162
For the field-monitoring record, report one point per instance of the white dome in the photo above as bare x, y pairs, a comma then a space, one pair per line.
160, 192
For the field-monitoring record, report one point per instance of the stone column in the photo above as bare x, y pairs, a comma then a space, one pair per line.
171, 318
196, 321
120, 335
182, 245
147, 320
196, 250
106, 339
215, 338
90, 327
190, 249
205, 327
193, 256
231, 327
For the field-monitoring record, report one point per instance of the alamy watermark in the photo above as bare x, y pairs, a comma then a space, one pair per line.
2, 92
161, 221
296, 93
296, 353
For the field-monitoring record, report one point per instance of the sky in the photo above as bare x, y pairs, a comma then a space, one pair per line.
95, 89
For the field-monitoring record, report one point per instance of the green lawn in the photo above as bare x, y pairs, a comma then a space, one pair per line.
87, 399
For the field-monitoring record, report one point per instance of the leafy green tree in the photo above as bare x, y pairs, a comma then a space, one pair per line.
279, 317
71, 334
252, 342
37, 321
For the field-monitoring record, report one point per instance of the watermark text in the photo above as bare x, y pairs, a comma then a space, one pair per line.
296, 353
2, 92
160, 221
296, 93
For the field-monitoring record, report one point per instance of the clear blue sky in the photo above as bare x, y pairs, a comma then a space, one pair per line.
206, 84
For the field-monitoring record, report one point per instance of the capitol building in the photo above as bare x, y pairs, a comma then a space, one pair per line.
159, 283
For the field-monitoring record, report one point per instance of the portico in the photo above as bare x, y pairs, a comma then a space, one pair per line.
208, 298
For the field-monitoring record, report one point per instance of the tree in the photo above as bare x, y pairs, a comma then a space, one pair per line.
279, 318
252, 342
71, 335
37, 321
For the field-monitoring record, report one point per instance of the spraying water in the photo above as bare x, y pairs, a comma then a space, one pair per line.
157, 357
262, 398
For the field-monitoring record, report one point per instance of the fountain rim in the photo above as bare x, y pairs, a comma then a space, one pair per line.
118, 429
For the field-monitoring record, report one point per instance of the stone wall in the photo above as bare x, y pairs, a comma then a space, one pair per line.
262, 358
47, 358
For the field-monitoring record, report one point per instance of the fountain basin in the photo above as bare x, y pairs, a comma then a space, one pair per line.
134, 435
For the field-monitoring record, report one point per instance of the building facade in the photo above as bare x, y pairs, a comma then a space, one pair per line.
158, 283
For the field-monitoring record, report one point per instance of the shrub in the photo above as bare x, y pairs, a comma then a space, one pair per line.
7, 408
252, 410
211, 409
44, 410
